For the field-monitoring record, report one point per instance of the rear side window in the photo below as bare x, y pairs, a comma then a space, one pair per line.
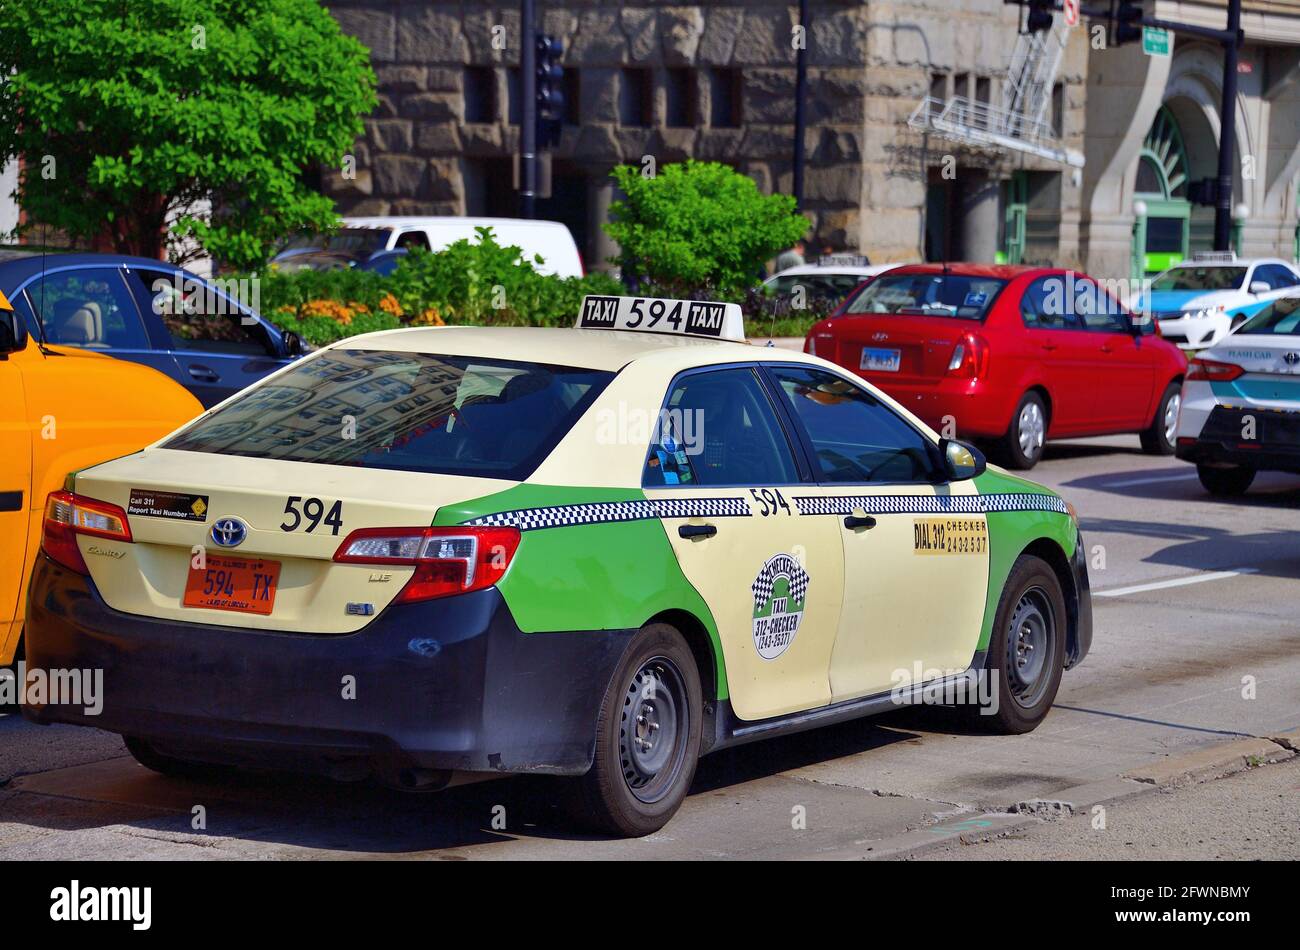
88, 308
414, 412
719, 428
855, 437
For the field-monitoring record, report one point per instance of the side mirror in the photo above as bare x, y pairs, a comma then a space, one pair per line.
1139, 323
292, 344
1258, 287
13, 333
962, 461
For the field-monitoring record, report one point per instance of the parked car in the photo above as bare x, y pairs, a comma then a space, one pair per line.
832, 278
1241, 402
64, 408
1198, 303
362, 240
147, 312
1013, 354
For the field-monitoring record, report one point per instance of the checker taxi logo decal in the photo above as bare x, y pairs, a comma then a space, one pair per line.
779, 594
931, 504
602, 512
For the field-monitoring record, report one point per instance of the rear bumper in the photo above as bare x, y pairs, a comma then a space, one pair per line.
1220, 441
971, 405
443, 686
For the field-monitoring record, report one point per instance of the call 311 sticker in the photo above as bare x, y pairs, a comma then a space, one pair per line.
780, 591
950, 536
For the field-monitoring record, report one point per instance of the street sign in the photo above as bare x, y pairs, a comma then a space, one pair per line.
1071, 12
1155, 41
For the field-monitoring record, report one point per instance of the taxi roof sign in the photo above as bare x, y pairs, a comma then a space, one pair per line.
701, 318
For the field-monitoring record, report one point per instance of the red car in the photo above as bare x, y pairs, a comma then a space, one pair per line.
1015, 355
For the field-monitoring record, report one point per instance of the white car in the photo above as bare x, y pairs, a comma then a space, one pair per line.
378, 243
1199, 302
1241, 402
832, 278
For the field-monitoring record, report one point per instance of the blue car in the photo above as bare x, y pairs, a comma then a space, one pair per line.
196, 331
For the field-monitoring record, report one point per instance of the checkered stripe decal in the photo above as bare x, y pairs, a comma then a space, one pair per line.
930, 504
603, 512
774, 568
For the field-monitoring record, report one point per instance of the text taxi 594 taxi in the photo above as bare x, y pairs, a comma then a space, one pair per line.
597, 552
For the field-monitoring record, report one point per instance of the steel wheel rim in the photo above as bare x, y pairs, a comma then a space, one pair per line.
1031, 647
1030, 429
653, 728
1171, 416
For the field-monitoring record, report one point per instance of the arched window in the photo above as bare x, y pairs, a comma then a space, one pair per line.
1162, 165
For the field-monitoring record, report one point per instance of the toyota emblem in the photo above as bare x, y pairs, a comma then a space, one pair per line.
229, 532
1291, 358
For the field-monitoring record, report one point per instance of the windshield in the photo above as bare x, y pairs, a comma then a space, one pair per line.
353, 242
1282, 317
930, 295
414, 412
1200, 278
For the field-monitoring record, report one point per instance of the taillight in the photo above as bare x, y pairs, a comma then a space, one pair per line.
1213, 371
970, 357
68, 515
446, 560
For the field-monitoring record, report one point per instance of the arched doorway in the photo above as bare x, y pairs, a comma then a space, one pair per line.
1162, 236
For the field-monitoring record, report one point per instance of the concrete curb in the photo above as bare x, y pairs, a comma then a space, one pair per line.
1216, 761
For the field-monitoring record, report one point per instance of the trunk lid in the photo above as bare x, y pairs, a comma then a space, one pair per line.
173, 498
925, 345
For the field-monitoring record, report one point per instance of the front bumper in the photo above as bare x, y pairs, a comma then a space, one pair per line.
1193, 333
442, 686
1222, 439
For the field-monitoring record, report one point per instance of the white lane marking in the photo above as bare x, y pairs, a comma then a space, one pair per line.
1155, 478
1174, 582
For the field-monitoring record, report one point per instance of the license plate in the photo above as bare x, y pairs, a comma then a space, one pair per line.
884, 361
233, 583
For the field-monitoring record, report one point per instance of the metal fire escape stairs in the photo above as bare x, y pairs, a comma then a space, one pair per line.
1022, 123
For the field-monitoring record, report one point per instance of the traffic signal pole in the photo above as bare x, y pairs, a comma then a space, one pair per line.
528, 110
1127, 13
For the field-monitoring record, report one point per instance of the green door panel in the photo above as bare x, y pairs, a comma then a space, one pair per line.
613, 575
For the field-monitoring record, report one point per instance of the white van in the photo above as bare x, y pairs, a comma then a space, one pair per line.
378, 243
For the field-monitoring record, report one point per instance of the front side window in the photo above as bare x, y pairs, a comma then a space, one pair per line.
413, 412
928, 295
718, 428
198, 318
1275, 275
88, 308
855, 437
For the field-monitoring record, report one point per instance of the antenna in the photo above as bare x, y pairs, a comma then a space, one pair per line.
44, 344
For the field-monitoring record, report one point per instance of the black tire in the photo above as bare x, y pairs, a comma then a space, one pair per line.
1023, 681
1022, 446
623, 793
1158, 438
1226, 482
152, 759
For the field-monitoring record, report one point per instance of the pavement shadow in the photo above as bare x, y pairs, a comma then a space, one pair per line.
1274, 553
1178, 482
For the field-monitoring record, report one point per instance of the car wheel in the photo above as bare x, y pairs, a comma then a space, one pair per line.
1026, 651
1158, 438
1022, 446
1225, 482
647, 737
152, 759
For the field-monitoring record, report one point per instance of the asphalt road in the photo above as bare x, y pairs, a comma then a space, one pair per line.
1197, 642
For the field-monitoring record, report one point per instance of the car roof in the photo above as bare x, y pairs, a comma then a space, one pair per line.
405, 221
853, 270
962, 269
16, 265
609, 350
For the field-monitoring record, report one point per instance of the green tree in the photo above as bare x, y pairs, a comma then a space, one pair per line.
699, 227
131, 115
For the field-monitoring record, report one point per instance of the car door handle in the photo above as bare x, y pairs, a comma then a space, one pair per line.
853, 521
203, 373
1107, 348
697, 531
1048, 346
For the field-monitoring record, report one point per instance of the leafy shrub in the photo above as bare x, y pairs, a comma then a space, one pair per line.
699, 224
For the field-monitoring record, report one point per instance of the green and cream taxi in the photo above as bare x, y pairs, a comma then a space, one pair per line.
597, 553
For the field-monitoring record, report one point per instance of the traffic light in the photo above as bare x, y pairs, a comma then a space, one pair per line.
1204, 191
1128, 29
1040, 16
550, 91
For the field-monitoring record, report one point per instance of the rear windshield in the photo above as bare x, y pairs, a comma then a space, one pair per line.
928, 295
1200, 278
826, 286
413, 412
1282, 317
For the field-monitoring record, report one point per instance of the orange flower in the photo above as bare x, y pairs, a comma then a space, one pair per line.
390, 305
429, 318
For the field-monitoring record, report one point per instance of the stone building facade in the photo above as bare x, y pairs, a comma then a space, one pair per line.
664, 81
